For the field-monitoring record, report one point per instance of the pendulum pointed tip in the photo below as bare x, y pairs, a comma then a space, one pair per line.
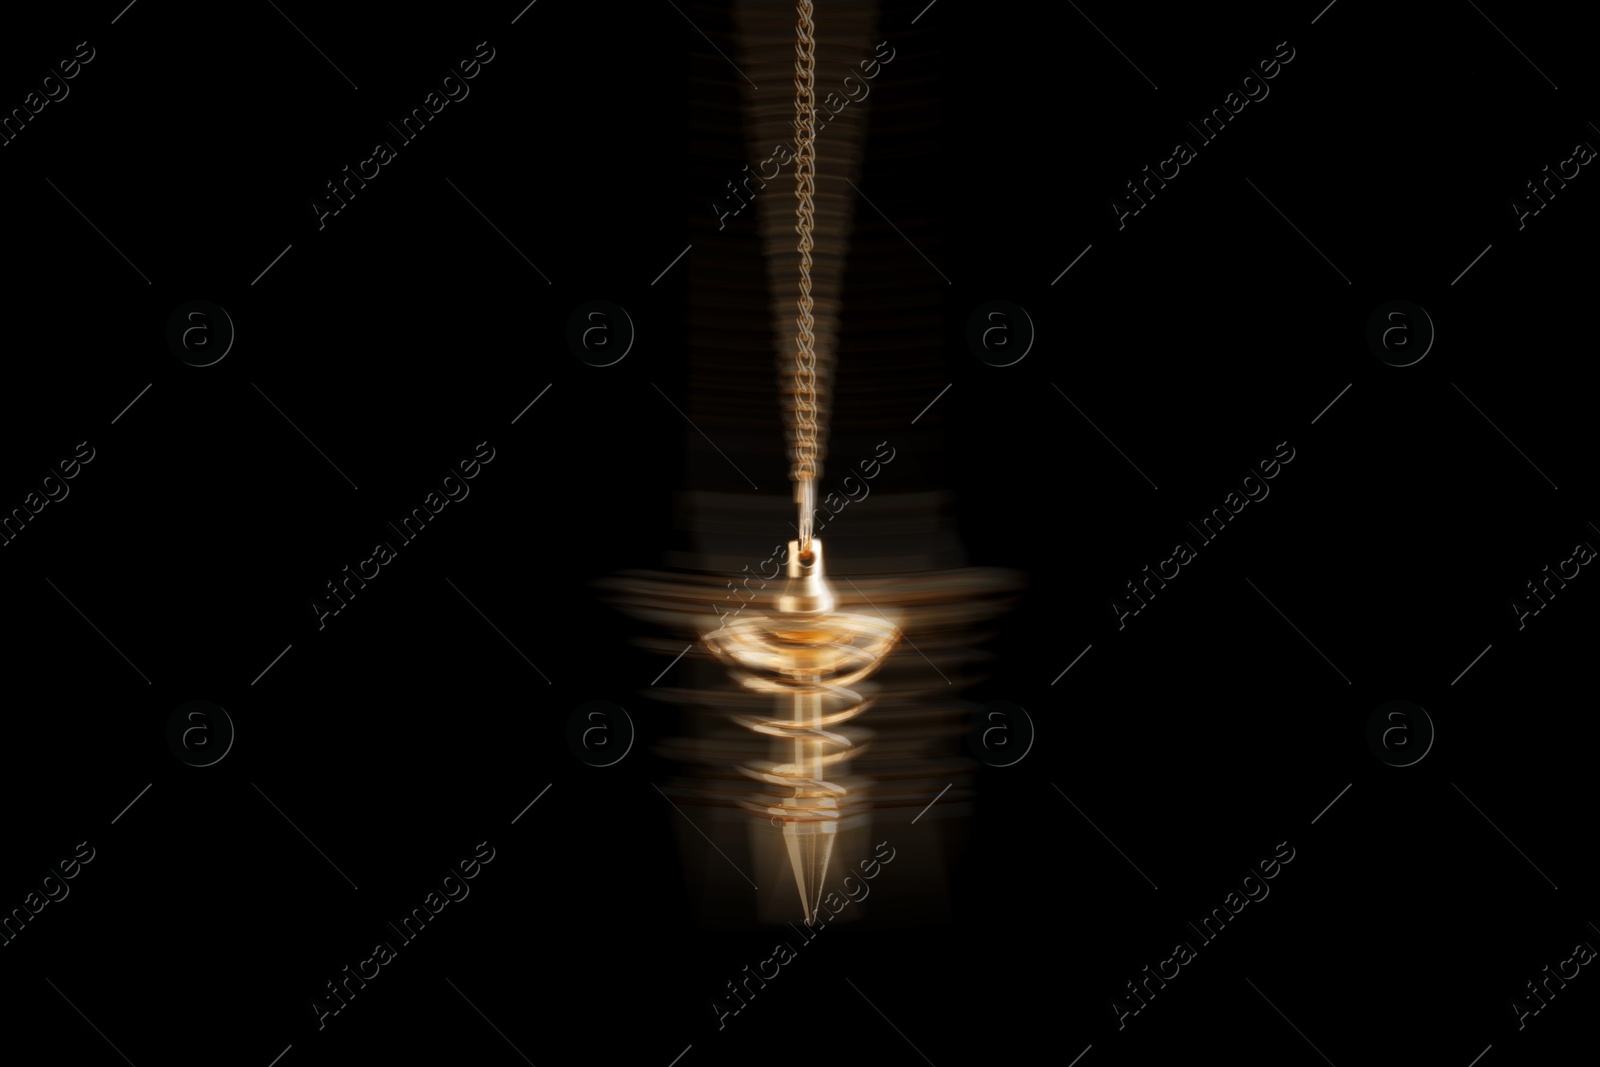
810, 847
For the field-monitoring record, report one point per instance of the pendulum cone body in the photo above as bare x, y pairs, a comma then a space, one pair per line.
810, 847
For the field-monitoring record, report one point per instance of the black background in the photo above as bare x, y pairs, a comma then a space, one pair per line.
1212, 727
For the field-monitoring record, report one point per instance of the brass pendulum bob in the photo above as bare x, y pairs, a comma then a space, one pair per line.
807, 655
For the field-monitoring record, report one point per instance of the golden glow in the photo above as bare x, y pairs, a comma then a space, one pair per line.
807, 656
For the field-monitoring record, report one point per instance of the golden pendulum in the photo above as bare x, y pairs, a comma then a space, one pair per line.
807, 655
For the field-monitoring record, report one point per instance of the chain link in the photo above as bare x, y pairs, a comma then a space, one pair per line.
804, 468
